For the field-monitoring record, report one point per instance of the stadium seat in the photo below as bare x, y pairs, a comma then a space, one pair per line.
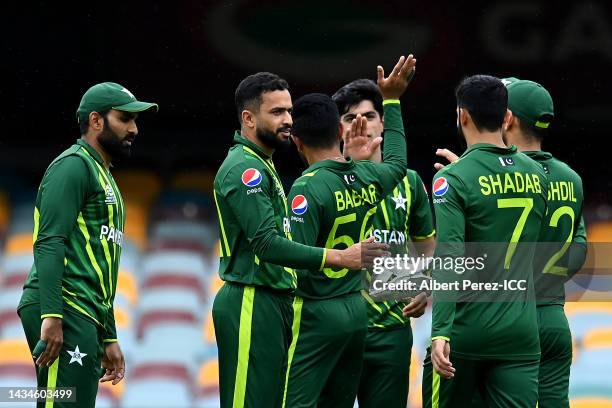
139, 186
600, 231
184, 234
136, 224
591, 403
591, 375
109, 395
166, 393
183, 262
572, 308
194, 180
15, 269
208, 385
209, 329
176, 280
127, 286
22, 219
19, 244
582, 323
169, 299
16, 364
598, 338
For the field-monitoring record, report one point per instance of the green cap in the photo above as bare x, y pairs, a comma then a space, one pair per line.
109, 95
529, 101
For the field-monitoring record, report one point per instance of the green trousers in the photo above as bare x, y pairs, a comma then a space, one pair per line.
79, 361
556, 359
326, 353
493, 383
386, 368
253, 333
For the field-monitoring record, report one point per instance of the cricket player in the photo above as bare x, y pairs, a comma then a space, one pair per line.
79, 219
563, 238
491, 194
333, 204
253, 310
403, 216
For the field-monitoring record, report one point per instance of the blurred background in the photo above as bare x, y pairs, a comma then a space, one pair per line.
189, 57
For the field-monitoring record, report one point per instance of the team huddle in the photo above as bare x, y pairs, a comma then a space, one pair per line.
295, 323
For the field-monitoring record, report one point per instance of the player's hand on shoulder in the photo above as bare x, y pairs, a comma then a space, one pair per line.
440, 352
396, 83
51, 332
357, 144
448, 155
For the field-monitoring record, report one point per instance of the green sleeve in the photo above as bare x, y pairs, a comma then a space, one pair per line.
110, 330
393, 168
577, 249
421, 220
255, 215
305, 227
61, 195
450, 226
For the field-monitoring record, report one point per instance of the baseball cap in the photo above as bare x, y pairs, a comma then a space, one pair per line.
529, 101
109, 95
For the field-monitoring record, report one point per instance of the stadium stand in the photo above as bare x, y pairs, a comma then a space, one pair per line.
165, 292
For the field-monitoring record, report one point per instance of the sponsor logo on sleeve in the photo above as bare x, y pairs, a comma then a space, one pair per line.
440, 186
251, 177
299, 205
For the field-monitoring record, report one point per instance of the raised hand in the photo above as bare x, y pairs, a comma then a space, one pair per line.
396, 83
357, 144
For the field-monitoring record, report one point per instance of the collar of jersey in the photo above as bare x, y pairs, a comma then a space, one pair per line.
331, 164
91, 151
538, 155
490, 147
238, 138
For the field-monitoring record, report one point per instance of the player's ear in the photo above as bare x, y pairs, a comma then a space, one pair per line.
96, 121
464, 117
298, 143
509, 120
248, 119
340, 131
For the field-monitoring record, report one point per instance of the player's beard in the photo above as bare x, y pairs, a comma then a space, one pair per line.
271, 139
113, 144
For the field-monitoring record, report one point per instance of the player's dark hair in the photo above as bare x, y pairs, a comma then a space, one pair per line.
357, 91
316, 120
485, 98
251, 89
84, 121
531, 131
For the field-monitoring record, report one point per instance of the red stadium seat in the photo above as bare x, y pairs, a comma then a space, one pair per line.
163, 316
175, 279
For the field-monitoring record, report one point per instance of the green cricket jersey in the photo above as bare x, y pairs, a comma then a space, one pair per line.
333, 205
79, 219
256, 246
563, 225
403, 215
496, 198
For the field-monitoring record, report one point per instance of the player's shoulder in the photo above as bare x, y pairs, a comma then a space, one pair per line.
71, 159
240, 164
564, 168
526, 163
308, 179
413, 177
